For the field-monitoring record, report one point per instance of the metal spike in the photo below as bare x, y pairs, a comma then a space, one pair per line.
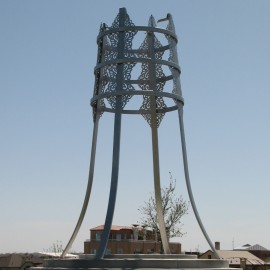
171, 23
152, 21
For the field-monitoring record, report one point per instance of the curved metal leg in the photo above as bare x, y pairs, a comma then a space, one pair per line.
88, 190
158, 198
120, 75
184, 152
113, 190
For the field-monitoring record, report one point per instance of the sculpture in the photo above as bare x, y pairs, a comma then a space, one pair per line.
116, 84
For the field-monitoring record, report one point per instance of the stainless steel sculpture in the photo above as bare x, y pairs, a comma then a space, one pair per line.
117, 83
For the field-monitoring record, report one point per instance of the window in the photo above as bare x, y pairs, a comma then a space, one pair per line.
120, 251
209, 257
108, 251
138, 251
98, 234
118, 237
93, 251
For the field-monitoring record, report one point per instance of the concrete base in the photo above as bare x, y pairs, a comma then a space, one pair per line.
130, 261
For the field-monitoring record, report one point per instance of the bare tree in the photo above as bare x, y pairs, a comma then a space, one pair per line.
174, 208
56, 248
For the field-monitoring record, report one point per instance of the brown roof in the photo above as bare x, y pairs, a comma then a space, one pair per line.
113, 228
234, 257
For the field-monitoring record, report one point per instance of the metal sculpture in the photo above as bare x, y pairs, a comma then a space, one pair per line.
116, 83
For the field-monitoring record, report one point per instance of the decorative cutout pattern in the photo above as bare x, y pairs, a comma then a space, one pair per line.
151, 82
111, 53
117, 72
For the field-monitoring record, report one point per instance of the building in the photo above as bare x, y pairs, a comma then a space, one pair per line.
127, 240
237, 258
257, 250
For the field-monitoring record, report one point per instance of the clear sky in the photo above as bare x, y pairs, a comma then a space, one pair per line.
47, 56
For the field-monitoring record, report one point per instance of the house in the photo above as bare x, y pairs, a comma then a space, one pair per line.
18, 261
257, 250
237, 258
127, 240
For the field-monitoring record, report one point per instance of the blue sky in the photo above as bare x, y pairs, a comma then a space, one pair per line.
47, 56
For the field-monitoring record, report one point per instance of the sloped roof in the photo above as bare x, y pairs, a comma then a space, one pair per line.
235, 256
113, 228
251, 247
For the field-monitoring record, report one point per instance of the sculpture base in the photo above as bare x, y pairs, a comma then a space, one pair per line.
134, 261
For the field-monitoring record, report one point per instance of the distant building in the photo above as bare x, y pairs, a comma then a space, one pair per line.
18, 261
127, 240
257, 250
237, 258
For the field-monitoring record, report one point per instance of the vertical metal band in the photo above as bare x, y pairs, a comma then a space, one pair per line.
114, 183
154, 131
88, 189
96, 114
184, 153
116, 141
158, 197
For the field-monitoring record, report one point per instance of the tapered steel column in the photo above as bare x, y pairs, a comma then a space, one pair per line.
88, 190
116, 140
96, 116
154, 131
157, 188
114, 184
190, 193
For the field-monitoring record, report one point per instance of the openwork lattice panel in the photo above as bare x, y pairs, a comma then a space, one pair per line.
141, 61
